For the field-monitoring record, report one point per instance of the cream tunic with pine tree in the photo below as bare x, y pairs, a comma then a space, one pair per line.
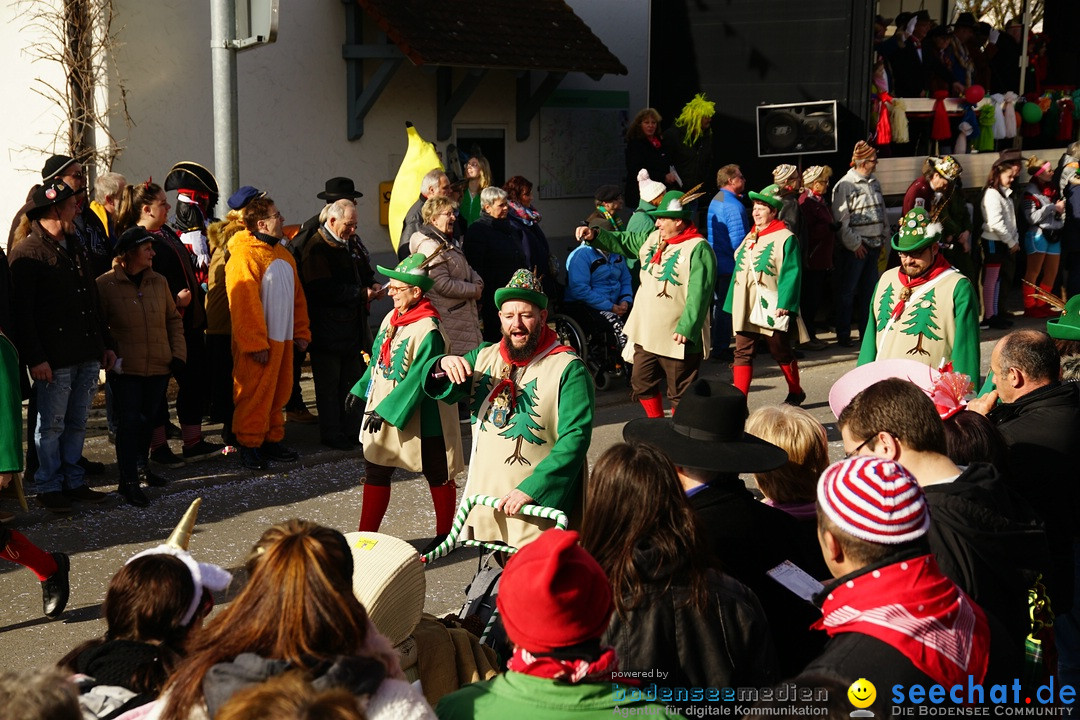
771, 262
537, 451
396, 393
661, 299
939, 322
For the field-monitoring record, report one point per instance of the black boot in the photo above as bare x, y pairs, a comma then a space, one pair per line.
131, 492
55, 588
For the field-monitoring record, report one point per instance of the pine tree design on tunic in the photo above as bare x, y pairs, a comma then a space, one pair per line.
739, 257
669, 274
763, 265
884, 308
399, 366
522, 423
922, 323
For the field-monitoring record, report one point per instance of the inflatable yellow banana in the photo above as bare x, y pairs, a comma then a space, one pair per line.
420, 157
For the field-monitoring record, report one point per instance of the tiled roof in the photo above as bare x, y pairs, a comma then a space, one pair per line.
502, 34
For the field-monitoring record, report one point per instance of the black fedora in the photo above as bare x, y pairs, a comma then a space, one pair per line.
707, 432
339, 188
965, 20
53, 192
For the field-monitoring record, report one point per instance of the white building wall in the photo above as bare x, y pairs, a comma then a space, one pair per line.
29, 121
292, 105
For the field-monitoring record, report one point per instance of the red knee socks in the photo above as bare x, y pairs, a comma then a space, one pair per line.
444, 498
743, 374
373, 507
791, 374
192, 434
654, 406
20, 550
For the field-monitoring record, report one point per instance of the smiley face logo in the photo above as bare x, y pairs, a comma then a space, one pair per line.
862, 693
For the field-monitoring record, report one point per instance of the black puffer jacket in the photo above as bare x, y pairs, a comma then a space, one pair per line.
1042, 430
727, 644
989, 541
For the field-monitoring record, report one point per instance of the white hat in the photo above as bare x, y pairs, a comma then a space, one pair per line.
649, 189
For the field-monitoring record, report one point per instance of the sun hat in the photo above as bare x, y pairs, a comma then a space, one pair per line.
388, 580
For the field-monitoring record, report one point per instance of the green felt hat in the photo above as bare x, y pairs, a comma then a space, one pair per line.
770, 195
1067, 326
411, 271
916, 231
524, 285
670, 207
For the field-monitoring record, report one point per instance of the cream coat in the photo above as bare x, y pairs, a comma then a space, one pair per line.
454, 294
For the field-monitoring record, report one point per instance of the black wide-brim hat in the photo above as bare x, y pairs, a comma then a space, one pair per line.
339, 188
707, 432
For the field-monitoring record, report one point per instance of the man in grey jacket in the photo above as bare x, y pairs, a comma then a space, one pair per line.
859, 207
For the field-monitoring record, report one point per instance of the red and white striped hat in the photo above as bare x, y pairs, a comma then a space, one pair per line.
874, 500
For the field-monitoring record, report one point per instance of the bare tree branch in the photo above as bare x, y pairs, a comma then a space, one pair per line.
79, 36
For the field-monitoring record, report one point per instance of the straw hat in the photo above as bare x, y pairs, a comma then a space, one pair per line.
388, 580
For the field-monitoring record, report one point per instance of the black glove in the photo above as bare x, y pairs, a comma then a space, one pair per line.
353, 403
373, 423
176, 366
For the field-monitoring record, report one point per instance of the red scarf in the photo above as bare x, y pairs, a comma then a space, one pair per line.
422, 309
571, 671
688, 234
915, 609
547, 337
940, 265
654, 141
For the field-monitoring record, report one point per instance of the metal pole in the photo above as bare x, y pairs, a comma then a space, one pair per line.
223, 64
1018, 143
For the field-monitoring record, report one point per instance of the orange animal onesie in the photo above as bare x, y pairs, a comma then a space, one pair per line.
268, 312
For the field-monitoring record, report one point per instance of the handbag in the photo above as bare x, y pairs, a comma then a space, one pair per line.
763, 312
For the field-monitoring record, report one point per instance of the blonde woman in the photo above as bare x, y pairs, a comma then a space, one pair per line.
478, 173
793, 486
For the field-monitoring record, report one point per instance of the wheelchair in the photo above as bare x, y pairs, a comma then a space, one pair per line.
593, 339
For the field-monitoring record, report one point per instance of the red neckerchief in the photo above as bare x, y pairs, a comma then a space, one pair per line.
547, 338
571, 671
914, 608
689, 233
653, 140
419, 311
940, 265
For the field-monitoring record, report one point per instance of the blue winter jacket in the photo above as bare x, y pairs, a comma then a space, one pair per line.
595, 280
728, 224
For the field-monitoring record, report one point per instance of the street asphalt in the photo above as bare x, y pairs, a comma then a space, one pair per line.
323, 486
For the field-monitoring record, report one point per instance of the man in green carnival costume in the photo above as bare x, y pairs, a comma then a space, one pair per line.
402, 427
668, 330
532, 412
925, 309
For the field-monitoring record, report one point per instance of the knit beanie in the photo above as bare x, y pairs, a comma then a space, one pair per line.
784, 174
863, 151
649, 189
553, 594
874, 500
